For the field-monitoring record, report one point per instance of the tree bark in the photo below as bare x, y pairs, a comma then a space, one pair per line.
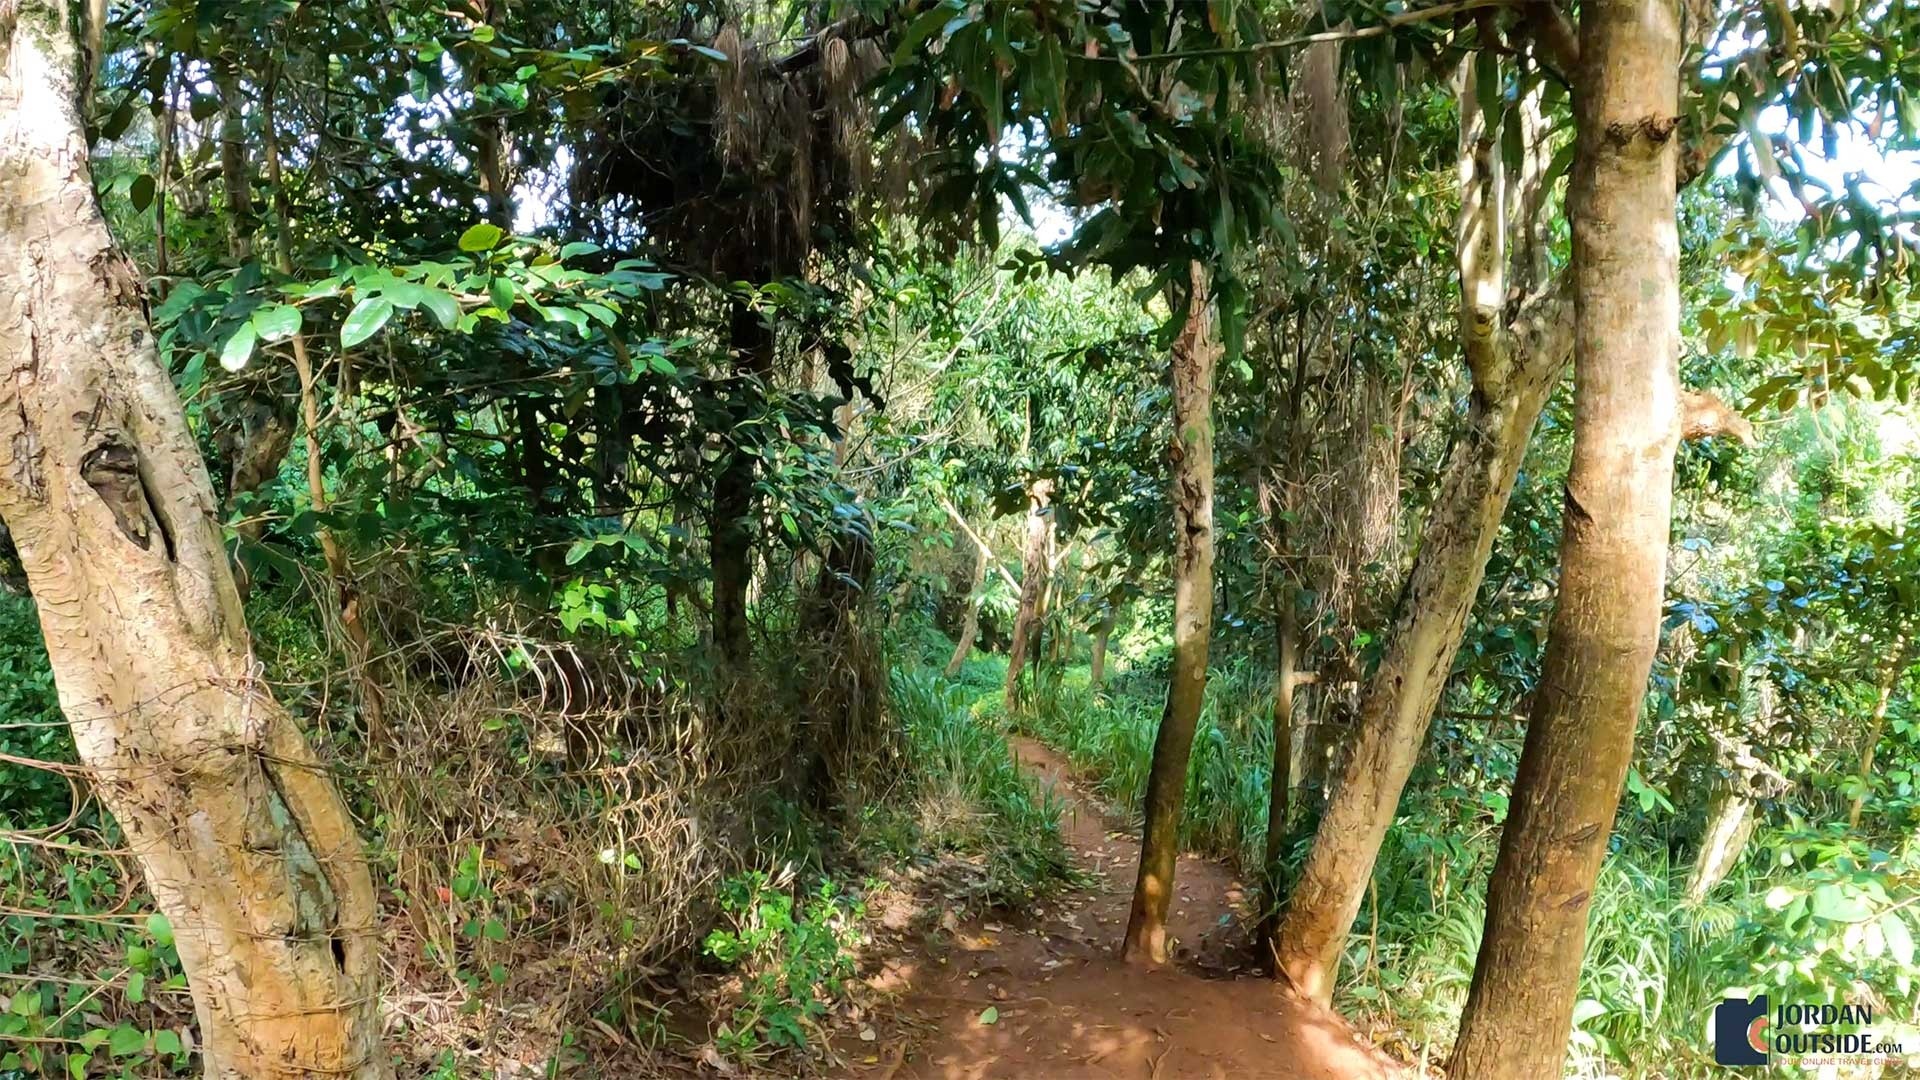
1195, 352
1097, 671
729, 528
1514, 369
1613, 550
970, 624
1033, 582
1903, 658
1730, 822
242, 838
1286, 640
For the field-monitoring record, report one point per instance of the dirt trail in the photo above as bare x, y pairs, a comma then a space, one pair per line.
1066, 1007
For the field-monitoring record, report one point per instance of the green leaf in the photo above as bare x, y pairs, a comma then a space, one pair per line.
239, 348
1836, 903
441, 304
1899, 937
494, 930
160, 928
365, 320
274, 322
141, 193
125, 1040
578, 247
989, 1015
482, 237
167, 1041
136, 987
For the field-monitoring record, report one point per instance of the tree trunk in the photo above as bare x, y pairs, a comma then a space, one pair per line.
970, 624
1033, 582
1191, 458
1280, 777
1514, 369
1730, 822
243, 840
1903, 658
235, 174
1098, 670
1613, 550
729, 529
1398, 701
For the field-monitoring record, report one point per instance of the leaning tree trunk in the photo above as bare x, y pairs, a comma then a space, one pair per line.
1514, 369
243, 840
1613, 550
1033, 583
1191, 458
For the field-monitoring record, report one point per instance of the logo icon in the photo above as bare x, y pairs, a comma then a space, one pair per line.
1740, 1031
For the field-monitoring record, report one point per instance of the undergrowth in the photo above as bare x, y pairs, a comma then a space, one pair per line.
1655, 966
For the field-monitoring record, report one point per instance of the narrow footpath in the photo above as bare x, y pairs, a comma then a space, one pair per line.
1042, 995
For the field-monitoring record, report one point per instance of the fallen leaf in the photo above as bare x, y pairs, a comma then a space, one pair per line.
989, 1015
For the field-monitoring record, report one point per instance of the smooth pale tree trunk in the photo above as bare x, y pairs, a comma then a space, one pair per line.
970, 625
1097, 670
241, 836
1190, 455
1514, 369
1033, 583
1613, 550
1743, 777
1730, 822
1903, 658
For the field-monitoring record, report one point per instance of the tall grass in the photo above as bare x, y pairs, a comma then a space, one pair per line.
1654, 966
971, 796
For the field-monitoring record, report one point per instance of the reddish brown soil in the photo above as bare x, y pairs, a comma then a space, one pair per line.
1066, 1007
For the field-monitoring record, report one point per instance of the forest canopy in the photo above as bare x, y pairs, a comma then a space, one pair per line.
939, 538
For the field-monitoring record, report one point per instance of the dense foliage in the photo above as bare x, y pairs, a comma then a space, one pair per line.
618, 413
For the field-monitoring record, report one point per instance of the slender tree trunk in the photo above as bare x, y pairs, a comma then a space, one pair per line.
1514, 370
243, 840
970, 624
1286, 640
729, 529
235, 173
1613, 550
1033, 582
1903, 658
1098, 671
1191, 457
1398, 701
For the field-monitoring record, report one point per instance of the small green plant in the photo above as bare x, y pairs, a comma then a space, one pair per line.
794, 954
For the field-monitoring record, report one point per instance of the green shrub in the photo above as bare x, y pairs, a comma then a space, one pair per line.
31, 724
794, 955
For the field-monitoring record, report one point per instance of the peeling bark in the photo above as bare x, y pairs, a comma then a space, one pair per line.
1190, 455
239, 832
